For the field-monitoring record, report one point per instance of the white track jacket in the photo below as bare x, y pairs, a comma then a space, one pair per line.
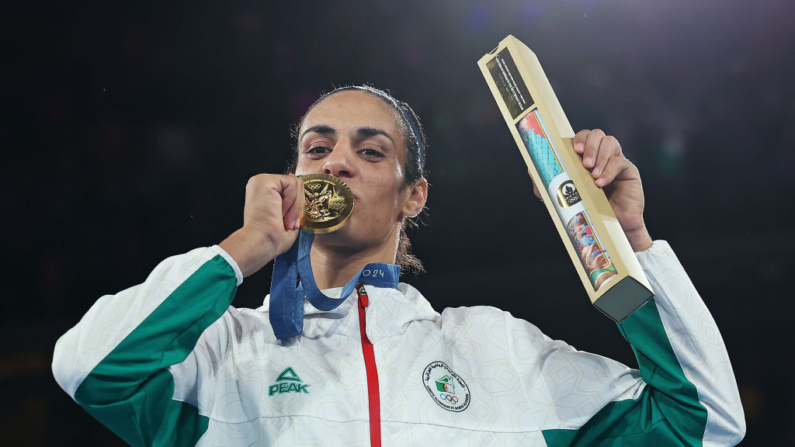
170, 362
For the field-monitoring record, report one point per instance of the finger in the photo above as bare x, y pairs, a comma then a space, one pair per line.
535, 188
296, 208
608, 147
617, 167
592, 148
579, 140
292, 191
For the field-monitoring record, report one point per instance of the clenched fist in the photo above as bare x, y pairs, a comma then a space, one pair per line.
270, 221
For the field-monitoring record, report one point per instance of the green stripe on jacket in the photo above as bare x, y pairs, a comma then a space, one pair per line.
667, 412
130, 391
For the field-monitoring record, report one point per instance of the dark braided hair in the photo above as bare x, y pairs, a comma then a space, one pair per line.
414, 169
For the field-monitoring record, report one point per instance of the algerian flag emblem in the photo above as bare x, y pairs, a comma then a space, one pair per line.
447, 388
444, 384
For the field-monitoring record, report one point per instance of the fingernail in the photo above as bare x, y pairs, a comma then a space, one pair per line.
296, 224
578, 147
588, 161
596, 171
600, 182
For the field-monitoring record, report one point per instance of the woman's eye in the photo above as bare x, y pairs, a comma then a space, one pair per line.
317, 150
368, 152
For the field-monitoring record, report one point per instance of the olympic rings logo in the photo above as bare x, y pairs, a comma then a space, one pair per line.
449, 398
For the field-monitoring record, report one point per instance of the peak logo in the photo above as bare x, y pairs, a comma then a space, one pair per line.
288, 382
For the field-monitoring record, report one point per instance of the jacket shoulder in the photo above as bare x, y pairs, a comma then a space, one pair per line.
462, 318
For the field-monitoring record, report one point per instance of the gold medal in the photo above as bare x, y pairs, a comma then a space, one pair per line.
328, 203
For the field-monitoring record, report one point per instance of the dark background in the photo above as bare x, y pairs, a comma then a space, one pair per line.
130, 130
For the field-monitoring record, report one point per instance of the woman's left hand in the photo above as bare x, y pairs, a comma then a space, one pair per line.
620, 180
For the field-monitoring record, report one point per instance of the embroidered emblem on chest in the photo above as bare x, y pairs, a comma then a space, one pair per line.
446, 387
288, 382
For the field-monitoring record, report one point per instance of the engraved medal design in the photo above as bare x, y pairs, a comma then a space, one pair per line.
328, 203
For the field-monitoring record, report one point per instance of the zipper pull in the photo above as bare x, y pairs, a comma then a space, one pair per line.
362, 295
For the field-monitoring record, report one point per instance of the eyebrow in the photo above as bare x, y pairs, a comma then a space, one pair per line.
362, 132
367, 132
321, 129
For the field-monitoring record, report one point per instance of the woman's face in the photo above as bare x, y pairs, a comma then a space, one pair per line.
356, 137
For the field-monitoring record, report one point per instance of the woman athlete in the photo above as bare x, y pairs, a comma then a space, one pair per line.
171, 362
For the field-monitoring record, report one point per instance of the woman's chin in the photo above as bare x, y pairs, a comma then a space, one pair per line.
346, 240
342, 238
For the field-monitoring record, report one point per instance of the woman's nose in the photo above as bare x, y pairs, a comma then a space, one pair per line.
338, 162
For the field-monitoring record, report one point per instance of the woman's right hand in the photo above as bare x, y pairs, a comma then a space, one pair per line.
271, 219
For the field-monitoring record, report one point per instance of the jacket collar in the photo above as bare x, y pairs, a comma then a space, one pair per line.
390, 312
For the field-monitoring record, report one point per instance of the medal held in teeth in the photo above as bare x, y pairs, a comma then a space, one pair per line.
328, 203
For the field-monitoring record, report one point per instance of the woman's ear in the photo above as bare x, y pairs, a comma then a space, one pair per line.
415, 202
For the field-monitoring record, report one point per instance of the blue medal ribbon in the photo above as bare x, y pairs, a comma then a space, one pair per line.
287, 292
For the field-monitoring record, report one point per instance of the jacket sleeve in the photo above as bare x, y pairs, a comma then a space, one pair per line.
684, 392
116, 361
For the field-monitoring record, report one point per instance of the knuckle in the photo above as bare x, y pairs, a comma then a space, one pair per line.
252, 182
257, 182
